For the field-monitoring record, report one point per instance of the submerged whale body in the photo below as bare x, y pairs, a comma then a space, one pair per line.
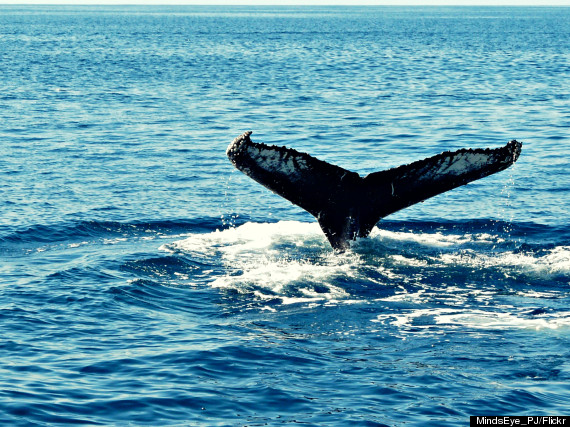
347, 205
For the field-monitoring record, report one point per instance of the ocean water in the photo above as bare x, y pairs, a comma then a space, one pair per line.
145, 281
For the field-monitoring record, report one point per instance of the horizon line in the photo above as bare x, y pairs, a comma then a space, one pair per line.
488, 3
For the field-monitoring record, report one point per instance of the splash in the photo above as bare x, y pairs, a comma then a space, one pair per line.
290, 262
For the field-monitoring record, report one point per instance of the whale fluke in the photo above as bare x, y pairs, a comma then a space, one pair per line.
348, 206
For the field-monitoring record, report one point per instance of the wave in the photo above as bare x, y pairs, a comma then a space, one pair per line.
477, 272
419, 278
291, 262
69, 231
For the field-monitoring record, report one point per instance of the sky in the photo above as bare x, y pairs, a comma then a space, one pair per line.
305, 2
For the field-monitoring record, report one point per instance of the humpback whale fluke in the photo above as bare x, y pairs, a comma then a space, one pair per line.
348, 206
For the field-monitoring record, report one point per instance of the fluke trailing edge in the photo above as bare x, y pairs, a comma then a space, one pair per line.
348, 206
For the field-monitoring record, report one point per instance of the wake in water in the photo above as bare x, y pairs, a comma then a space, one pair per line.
440, 276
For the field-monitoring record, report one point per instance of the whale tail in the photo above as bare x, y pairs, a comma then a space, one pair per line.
347, 205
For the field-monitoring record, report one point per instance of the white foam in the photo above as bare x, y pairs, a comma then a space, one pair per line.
554, 262
437, 239
253, 237
458, 250
292, 261
260, 258
476, 319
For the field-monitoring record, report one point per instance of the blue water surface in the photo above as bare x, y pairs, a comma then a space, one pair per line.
144, 281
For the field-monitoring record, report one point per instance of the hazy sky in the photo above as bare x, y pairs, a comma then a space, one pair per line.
307, 2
